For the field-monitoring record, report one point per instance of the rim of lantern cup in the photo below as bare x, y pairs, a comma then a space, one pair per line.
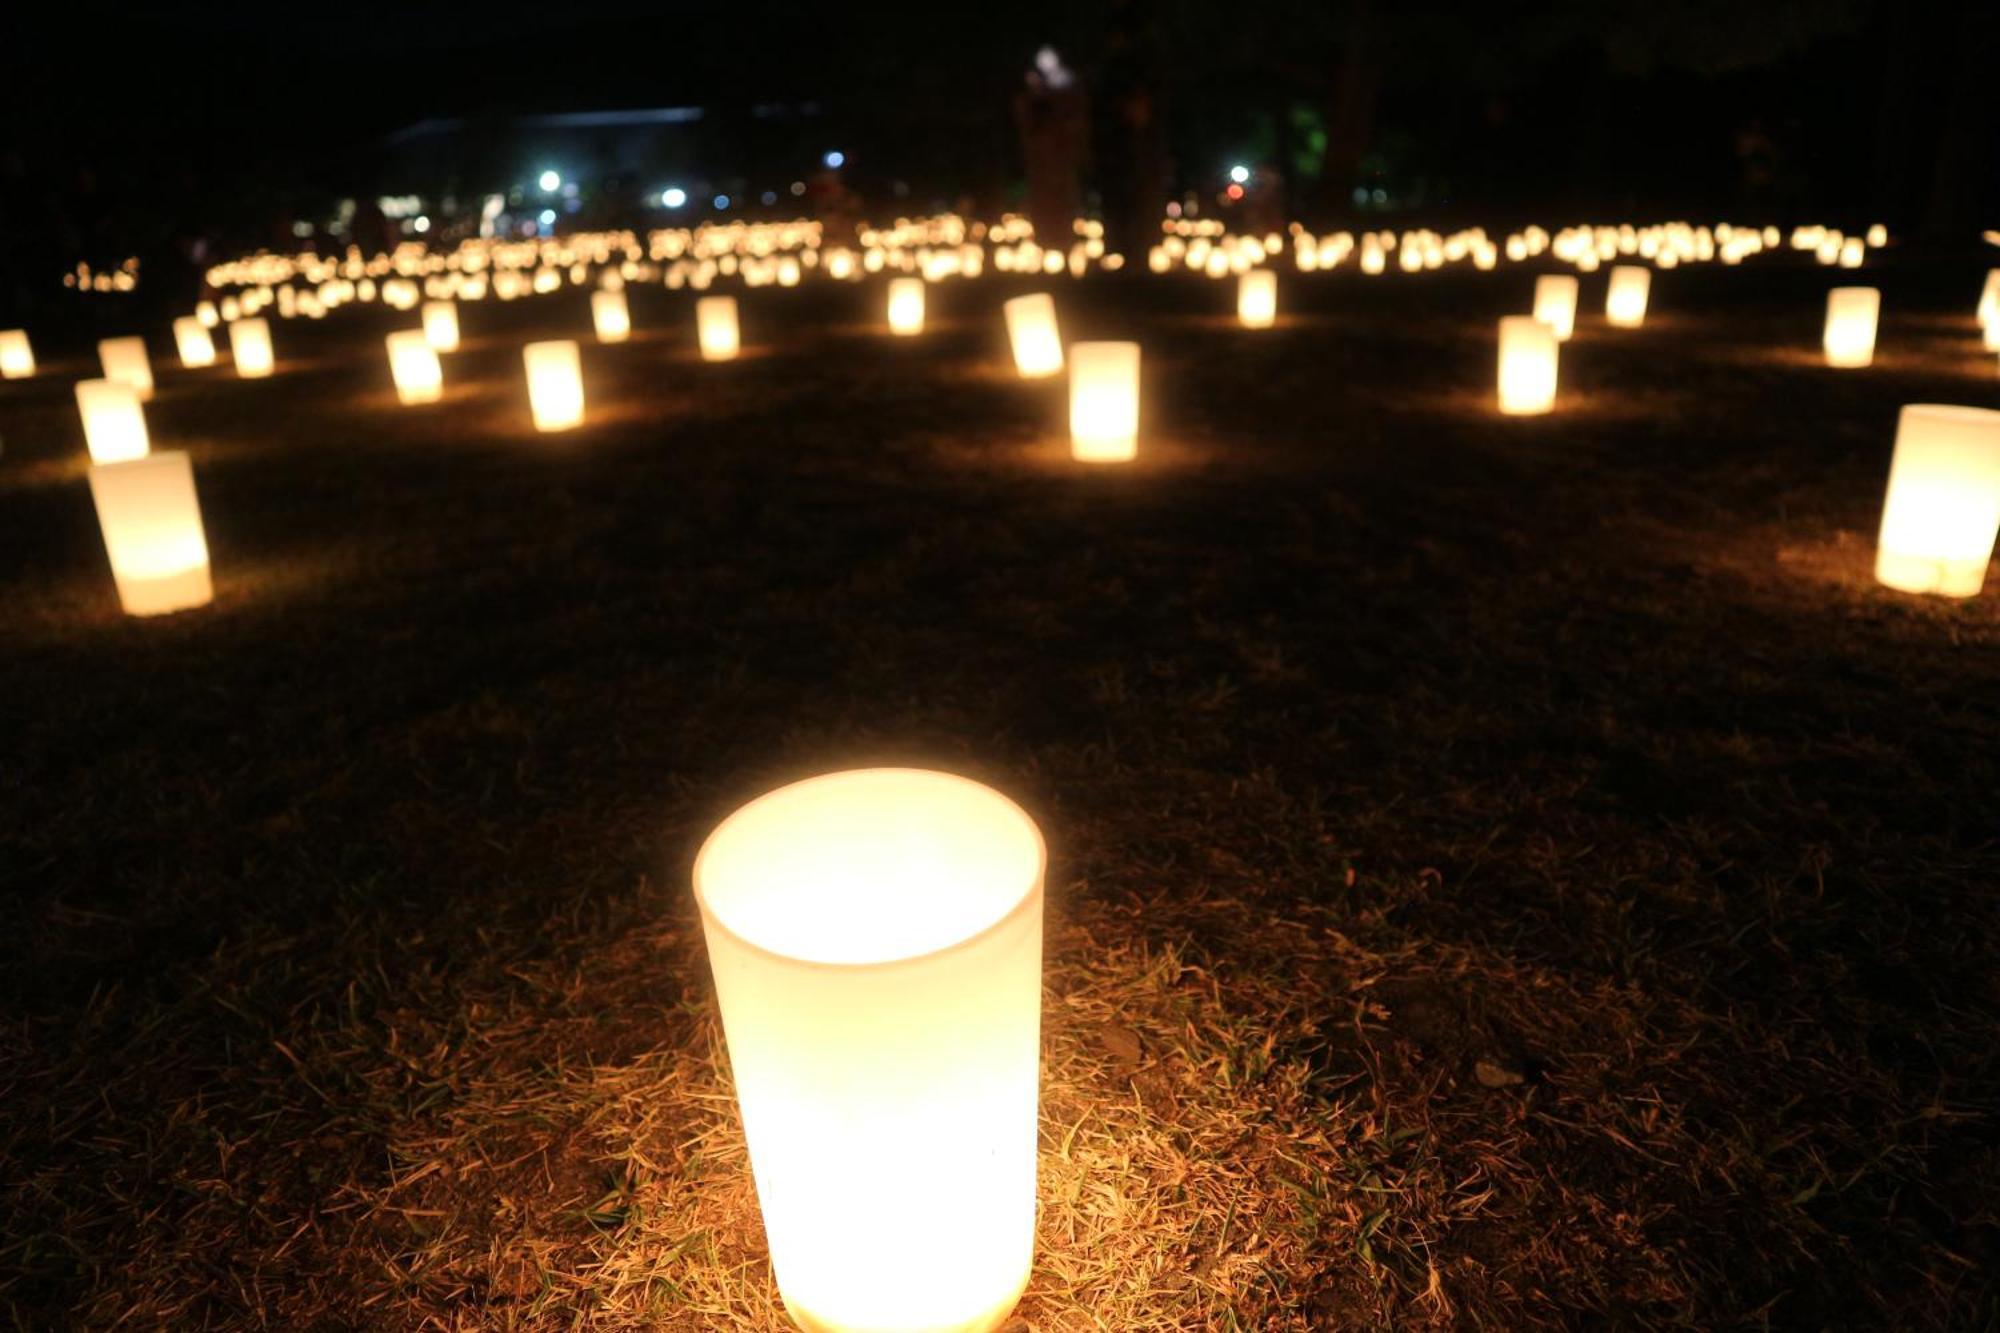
1020, 905
1953, 411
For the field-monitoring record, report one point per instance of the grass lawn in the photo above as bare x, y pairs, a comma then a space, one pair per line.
1504, 872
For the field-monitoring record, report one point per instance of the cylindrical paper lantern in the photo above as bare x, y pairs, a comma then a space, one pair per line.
1528, 349
906, 306
250, 345
876, 942
125, 360
1943, 505
1257, 299
1104, 401
414, 364
1555, 303
17, 358
152, 531
610, 316
194, 342
1851, 313
715, 325
114, 425
1625, 298
555, 383
1031, 331
441, 325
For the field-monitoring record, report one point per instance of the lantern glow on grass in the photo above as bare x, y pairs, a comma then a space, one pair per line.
1942, 508
906, 306
250, 346
17, 357
1257, 299
114, 424
1104, 401
1555, 303
125, 360
1851, 315
555, 384
610, 316
151, 522
414, 364
1528, 351
716, 327
876, 938
194, 342
441, 325
1625, 297
1033, 335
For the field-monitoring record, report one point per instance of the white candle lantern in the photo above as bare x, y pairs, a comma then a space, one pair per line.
205, 312
1943, 504
17, 357
1104, 401
194, 342
1032, 333
716, 327
413, 362
441, 325
125, 360
555, 384
250, 346
151, 522
906, 306
1528, 350
1257, 299
1851, 315
876, 939
610, 316
1625, 297
114, 425
1555, 303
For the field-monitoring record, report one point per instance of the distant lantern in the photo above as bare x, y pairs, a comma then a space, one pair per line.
114, 424
1555, 303
205, 311
151, 522
716, 327
125, 360
1943, 504
555, 384
250, 345
1851, 315
194, 342
1878, 236
17, 358
1528, 350
441, 325
1031, 330
413, 362
906, 306
1104, 401
1852, 252
232, 309
610, 316
875, 939
1257, 299
1625, 298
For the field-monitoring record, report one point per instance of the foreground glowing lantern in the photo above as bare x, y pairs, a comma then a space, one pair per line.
1555, 303
1943, 505
1032, 333
610, 316
906, 306
1851, 315
250, 345
555, 384
194, 342
1528, 349
114, 425
441, 325
876, 939
716, 327
151, 522
1104, 401
17, 358
1625, 297
1257, 299
414, 364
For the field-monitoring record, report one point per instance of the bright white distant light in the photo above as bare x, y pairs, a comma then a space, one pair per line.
1239, 173
548, 217
550, 182
722, 201
422, 223
836, 158
673, 197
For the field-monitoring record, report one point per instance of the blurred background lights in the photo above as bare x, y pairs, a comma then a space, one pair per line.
835, 159
673, 196
550, 182
1239, 173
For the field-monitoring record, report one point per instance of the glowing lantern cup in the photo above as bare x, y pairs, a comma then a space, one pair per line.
125, 360
555, 384
114, 425
17, 358
715, 325
876, 940
1943, 505
1104, 402
906, 306
250, 345
194, 342
1528, 349
610, 316
441, 325
1625, 298
1555, 303
414, 363
1257, 299
1851, 313
1031, 331
152, 532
